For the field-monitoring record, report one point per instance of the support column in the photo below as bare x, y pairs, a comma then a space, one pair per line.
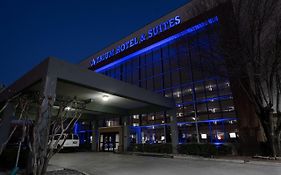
174, 130
95, 135
126, 134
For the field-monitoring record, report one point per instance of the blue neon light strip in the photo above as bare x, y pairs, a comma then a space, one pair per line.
214, 143
208, 121
183, 123
225, 97
84, 131
171, 38
187, 84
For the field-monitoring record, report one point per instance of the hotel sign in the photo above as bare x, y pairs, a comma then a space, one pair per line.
137, 40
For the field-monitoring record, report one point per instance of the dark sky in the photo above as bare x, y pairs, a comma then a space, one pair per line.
31, 30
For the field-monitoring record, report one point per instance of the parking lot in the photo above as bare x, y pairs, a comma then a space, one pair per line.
117, 164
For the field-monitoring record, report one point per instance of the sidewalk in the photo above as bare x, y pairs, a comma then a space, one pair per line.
230, 159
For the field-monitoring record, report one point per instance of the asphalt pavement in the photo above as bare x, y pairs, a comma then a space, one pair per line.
119, 164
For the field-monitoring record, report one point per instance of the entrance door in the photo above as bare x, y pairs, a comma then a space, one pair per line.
109, 142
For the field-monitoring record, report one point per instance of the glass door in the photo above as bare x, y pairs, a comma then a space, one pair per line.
109, 142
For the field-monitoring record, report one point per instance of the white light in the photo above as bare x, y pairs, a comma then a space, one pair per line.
232, 135
204, 136
135, 116
68, 108
231, 108
193, 118
135, 124
105, 97
220, 135
213, 110
210, 88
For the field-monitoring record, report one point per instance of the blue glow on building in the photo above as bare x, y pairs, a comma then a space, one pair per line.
167, 25
162, 42
186, 84
184, 123
208, 121
225, 97
218, 143
75, 129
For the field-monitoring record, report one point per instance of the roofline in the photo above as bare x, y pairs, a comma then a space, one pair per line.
75, 74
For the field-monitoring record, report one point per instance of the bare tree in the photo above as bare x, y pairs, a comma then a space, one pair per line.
68, 112
60, 119
2, 88
22, 105
250, 48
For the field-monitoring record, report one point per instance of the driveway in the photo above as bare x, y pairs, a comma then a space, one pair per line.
116, 164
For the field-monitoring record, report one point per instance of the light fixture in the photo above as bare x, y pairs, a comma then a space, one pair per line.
105, 97
135, 116
232, 135
203, 136
68, 108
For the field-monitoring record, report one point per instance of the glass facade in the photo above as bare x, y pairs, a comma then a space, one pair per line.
183, 69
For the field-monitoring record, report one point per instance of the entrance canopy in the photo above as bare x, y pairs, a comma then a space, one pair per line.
104, 94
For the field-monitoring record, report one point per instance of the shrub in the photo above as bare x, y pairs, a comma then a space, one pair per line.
151, 148
204, 149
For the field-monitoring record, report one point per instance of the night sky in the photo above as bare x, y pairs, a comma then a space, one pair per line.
31, 30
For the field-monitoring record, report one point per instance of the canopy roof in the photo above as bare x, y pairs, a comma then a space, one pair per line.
75, 81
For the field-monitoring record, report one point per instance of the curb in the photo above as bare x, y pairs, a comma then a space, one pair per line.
210, 159
62, 168
265, 163
189, 157
240, 161
54, 168
150, 154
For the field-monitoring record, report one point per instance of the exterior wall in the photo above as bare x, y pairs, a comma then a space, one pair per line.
185, 12
183, 69
178, 70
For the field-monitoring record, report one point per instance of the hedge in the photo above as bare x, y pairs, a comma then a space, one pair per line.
152, 148
204, 149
